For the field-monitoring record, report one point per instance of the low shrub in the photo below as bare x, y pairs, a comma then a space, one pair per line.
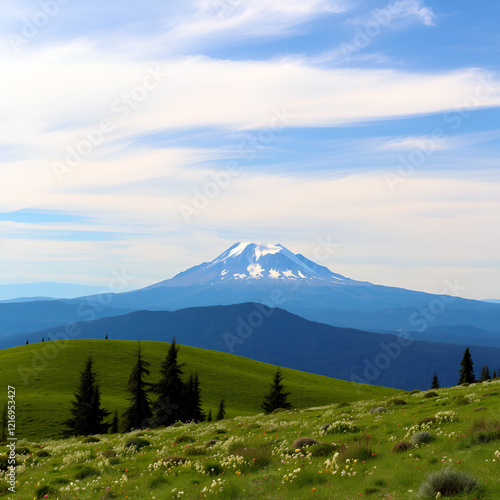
195, 450
45, 491
178, 424
23, 451
343, 404
184, 439
220, 431
322, 449
401, 447
211, 442
480, 408
427, 420
61, 480
42, 454
396, 401
137, 442
303, 442
422, 437
4, 462
447, 483
108, 453
485, 430
157, 481
115, 461
255, 456
431, 394
85, 472
91, 439
415, 391
212, 468
461, 401
278, 410
359, 449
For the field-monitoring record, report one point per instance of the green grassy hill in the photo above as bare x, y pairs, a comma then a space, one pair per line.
45, 376
255, 457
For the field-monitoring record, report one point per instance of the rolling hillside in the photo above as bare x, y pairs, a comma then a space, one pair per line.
45, 376
281, 338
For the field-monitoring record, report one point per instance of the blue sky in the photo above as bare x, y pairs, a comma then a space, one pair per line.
374, 125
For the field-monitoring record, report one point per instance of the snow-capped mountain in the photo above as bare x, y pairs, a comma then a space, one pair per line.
255, 262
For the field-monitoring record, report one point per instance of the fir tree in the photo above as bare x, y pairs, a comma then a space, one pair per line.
27, 341
485, 374
209, 418
435, 382
277, 397
222, 411
168, 408
87, 416
192, 398
114, 424
467, 369
138, 414
3, 424
494, 374
106, 336
43, 339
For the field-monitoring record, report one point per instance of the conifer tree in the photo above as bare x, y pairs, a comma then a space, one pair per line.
87, 416
115, 424
106, 336
3, 424
485, 374
138, 414
277, 397
192, 398
222, 411
467, 369
168, 407
27, 342
494, 374
209, 418
435, 382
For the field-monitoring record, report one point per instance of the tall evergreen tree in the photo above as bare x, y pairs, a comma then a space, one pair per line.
114, 429
435, 381
192, 399
222, 411
3, 424
87, 416
494, 374
168, 407
485, 374
138, 414
27, 342
467, 369
209, 418
277, 397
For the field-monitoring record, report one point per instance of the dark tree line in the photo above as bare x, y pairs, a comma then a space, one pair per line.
176, 400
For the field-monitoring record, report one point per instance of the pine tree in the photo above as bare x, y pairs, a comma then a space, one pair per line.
168, 408
209, 418
138, 414
277, 397
485, 374
494, 374
87, 416
222, 411
3, 424
27, 341
43, 339
435, 382
106, 336
467, 369
192, 399
115, 424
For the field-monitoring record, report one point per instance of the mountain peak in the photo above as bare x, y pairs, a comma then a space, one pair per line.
252, 262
